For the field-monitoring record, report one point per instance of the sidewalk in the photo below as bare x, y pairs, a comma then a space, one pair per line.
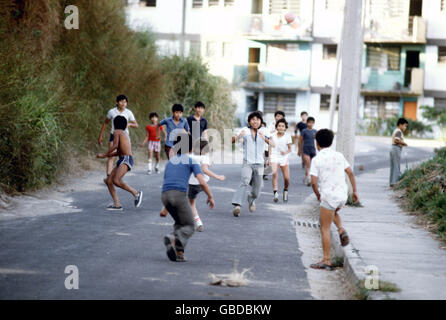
384, 236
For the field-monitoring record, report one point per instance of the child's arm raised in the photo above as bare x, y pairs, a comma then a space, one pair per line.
206, 170
206, 190
351, 176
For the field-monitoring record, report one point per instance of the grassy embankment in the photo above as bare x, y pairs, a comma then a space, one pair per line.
58, 84
425, 192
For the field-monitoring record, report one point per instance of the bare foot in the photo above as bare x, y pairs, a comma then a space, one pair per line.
163, 212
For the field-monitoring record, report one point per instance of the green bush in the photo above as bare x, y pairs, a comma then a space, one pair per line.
425, 188
414, 129
57, 85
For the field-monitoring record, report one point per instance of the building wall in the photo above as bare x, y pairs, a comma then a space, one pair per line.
435, 18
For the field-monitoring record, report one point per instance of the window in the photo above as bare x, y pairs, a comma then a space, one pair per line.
279, 6
441, 54
381, 107
257, 7
334, 5
195, 48
227, 50
213, 3
440, 103
325, 102
197, 3
229, 3
285, 102
282, 53
150, 3
381, 57
211, 48
330, 51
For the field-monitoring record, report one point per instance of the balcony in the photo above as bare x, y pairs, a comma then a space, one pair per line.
273, 27
377, 82
255, 75
395, 30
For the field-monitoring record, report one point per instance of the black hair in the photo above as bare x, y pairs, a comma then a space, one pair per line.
310, 119
180, 143
324, 138
303, 112
153, 114
122, 97
255, 114
279, 112
177, 107
199, 104
282, 121
401, 121
120, 123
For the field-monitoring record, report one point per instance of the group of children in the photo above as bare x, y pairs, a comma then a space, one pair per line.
187, 170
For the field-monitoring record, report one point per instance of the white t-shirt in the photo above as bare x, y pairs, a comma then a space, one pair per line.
329, 168
281, 144
112, 113
203, 159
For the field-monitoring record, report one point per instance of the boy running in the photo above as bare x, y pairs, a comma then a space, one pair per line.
298, 131
253, 161
395, 153
174, 126
176, 177
307, 148
153, 137
200, 155
328, 169
119, 110
121, 147
279, 157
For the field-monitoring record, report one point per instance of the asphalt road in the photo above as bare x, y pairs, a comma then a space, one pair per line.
120, 255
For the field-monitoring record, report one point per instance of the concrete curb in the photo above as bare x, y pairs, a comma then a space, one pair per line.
354, 265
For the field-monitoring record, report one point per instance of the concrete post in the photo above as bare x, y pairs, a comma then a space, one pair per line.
350, 79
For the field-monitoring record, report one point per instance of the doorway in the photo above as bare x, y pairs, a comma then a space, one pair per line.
253, 65
416, 8
410, 110
412, 61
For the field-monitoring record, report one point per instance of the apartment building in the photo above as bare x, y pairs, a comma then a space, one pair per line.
281, 54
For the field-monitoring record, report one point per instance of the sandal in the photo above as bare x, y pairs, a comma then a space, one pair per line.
344, 238
323, 266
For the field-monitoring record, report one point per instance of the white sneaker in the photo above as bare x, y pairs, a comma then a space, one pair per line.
276, 196
198, 224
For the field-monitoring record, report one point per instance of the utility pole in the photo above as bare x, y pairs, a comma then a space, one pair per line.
350, 79
183, 30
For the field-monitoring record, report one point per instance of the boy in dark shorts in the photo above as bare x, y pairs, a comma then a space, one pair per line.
298, 131
175, 125
121, 147
307, 148
176, 180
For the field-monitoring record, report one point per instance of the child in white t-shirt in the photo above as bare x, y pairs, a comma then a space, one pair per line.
200, 155
328, 169
279, 157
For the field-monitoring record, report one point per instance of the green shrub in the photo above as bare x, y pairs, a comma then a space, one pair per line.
425, 188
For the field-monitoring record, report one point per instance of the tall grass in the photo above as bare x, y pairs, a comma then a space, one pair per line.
425, 188
56, 85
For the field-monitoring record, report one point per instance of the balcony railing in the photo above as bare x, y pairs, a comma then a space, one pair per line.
275, 26
397, 30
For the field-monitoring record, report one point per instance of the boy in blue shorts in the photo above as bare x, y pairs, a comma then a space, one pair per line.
121, 147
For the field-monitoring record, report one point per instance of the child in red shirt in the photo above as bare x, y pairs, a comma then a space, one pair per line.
153, 137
